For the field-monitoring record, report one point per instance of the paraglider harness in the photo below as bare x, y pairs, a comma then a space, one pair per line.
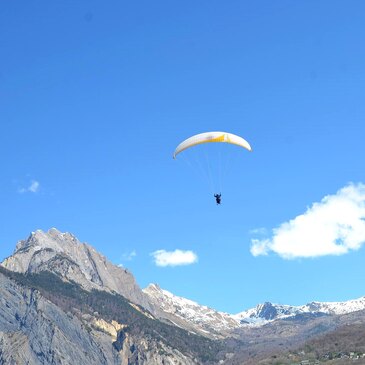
218, 198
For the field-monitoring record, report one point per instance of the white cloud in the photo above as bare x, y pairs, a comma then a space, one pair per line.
334, 226
174, 258
33, 187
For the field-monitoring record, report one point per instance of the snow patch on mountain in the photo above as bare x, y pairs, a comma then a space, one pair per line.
208, 318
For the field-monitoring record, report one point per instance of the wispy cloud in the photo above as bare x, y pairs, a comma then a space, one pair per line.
128, 256
174, 258
334, 226
33, 187
259, 231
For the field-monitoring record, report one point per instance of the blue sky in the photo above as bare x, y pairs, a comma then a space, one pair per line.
95, 96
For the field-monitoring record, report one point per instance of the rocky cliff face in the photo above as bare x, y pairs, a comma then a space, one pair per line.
65, 255
34, 330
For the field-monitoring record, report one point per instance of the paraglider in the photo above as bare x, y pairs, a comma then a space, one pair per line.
212, 137
218, 198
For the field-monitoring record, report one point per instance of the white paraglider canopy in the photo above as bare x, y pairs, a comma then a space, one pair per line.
212, 137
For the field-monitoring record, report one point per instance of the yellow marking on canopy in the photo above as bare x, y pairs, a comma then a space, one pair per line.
221, 138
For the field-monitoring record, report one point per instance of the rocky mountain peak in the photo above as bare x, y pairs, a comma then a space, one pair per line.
52, 239
266, 311
153, 287
64, 255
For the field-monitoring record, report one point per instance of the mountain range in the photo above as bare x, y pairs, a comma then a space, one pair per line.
62, 302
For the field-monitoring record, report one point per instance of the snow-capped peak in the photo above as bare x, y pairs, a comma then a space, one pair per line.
268, 312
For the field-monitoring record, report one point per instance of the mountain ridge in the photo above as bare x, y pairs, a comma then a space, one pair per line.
126, 325
73, 260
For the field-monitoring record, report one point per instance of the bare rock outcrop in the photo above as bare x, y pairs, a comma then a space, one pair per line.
65, 255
